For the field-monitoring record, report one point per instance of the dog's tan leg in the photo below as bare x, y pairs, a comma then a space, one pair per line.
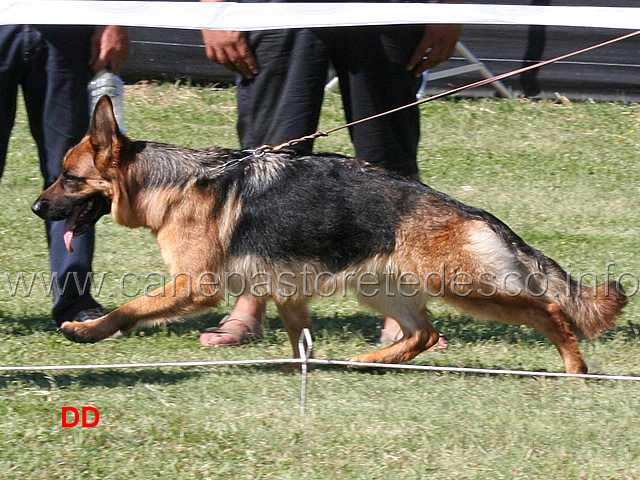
554, 325
295, 317
418, 335
172, 301
547, 318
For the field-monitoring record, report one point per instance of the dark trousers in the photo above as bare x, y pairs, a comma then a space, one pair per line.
283, 101
50, 64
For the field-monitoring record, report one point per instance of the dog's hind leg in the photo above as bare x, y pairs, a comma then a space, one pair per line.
414, 319
296, 317
547, 318
554, 325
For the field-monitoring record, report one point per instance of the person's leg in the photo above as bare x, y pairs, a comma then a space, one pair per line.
371, 66
10, 72
283, 101
279, 104
55, 91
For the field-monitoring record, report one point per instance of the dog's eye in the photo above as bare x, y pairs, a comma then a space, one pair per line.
70, 179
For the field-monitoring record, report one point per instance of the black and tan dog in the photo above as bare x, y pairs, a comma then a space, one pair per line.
290, 227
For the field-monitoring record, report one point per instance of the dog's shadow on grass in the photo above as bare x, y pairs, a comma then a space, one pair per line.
364, 325
456, 328
23, 326
467, 330
91, 379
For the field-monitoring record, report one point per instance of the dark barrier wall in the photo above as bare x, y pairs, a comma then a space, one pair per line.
609, 73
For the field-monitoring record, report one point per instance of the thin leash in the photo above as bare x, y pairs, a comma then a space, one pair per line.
278, 148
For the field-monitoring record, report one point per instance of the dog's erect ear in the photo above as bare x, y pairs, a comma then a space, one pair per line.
104, 135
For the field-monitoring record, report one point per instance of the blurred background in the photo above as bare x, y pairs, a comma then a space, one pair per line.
609, 73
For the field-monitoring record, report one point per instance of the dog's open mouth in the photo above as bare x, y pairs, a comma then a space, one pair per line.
84, 218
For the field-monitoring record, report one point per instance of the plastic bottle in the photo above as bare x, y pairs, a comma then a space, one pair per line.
106, 82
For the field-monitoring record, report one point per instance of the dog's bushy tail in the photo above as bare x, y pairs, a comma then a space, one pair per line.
592, 310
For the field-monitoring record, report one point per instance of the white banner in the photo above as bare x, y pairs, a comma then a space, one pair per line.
270, 16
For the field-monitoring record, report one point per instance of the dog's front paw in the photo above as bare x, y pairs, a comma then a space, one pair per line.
366, 358
81, 332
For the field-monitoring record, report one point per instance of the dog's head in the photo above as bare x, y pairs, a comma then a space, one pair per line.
83, 192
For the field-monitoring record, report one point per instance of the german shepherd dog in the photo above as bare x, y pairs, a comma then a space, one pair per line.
317, 223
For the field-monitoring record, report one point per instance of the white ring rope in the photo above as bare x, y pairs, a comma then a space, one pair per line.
269, 16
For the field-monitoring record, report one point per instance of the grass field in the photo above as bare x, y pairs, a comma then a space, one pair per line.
563, 176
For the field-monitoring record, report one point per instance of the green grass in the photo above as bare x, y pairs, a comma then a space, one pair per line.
564, 177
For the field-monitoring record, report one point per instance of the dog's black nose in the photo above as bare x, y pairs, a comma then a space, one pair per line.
39, 207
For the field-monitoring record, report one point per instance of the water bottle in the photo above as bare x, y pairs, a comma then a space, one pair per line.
105, 82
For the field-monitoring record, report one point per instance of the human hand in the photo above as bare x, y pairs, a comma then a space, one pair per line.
232, 50
437, 45
109, 46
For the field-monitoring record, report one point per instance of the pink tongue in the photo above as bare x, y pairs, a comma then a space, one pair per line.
68, 232
68, 238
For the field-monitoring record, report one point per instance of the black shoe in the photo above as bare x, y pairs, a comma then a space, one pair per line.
88, 315
93, 314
